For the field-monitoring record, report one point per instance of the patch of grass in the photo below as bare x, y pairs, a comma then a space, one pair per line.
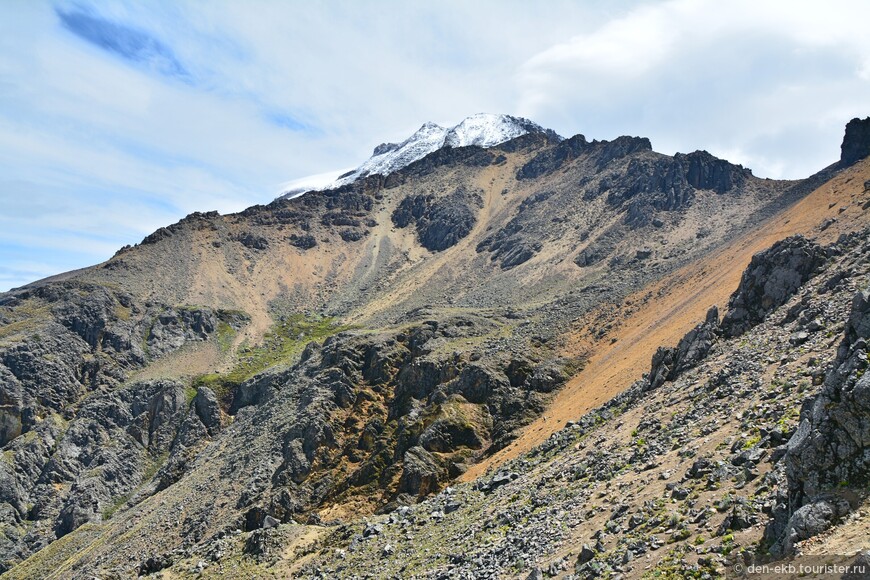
673, 566
281, 345
155, 466
121, 312
751, 442
225, 335
117, 504
27, 316
16, 327
190, 394
574, 365
59, 555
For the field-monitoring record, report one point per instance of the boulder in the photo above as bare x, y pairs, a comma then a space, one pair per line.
813, 519
207, 408
421, 472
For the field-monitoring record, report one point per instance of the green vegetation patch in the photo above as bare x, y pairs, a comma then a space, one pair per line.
282, 345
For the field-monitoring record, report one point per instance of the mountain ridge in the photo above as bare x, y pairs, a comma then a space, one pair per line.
357, 349
481, 130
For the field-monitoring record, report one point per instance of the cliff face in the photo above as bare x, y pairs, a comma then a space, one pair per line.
355, 350
856, 142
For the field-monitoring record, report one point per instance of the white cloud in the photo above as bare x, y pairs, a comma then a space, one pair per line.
727, 76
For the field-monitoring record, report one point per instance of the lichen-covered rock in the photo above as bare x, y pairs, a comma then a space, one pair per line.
420, 472
812, 519
457, 424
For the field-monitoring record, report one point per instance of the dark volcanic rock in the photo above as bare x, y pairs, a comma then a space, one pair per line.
856, 141
703, 171
604, 152
607, 151
668, 363
552, 159
510, 245
668, 183
304, 242
771, 278
352, 235
649, 184
253, 241
440, 222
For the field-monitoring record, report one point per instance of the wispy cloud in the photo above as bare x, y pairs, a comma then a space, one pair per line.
125, 41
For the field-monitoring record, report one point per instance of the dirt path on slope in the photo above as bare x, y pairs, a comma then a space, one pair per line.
681, 300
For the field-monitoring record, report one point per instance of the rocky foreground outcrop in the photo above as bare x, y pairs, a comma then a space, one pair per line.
829, 453
705, 463
79, 441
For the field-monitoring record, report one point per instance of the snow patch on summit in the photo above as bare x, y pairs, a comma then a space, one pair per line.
482, 130
487, 130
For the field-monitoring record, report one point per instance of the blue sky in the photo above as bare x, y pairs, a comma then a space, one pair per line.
120, 117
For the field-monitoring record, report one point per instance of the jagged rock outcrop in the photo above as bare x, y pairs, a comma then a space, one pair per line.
668, 363
703, 171
772, 277
508, 246
602, 151
77, 436
440, 222
856, 141
829, 449
92, 465
403, 418
552, 159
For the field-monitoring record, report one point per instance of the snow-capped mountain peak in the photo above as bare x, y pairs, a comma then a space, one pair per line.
482, 130
487, 130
